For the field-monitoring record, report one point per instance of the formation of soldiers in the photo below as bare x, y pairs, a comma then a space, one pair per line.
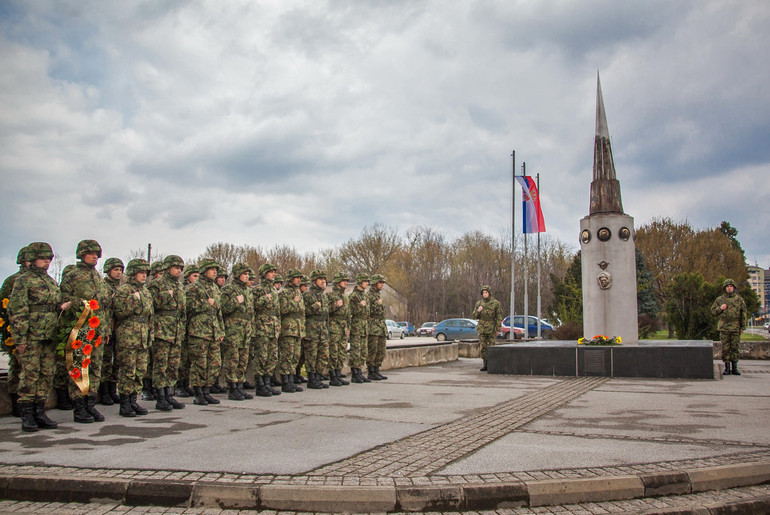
171, 330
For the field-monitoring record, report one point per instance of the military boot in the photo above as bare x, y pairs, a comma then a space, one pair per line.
15, 409
735, 369
248, 386
241, 389
313, 382
180, 389
207, 395
234, 394
104, 394
297, 387
169, 394
355, 376
112, 390
267, 379
727, 371
28, 423
334, 380
372, 374
135, 405
484, 367
276, 380
261, 389
91, 408
361, 374
161, 403
200, 400
41, 419
125, 406
63, 401
80, 415
215, 388
147, 394
321, 379
288, 385
377, 371
340, 377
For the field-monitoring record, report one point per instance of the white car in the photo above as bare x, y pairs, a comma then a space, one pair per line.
394, 330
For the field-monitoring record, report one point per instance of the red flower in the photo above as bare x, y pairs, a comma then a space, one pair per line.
93, 322
90, 335
77, 344
87, 349
98, 341
75, 373
93, 304
86, 362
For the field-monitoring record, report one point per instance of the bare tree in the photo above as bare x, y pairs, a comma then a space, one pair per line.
370, 253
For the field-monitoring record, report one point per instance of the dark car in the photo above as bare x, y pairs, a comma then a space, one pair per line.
426, 329
546, 329
456, 329
408, 328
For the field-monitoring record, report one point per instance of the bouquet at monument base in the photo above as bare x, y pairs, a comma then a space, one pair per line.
600, 339
77, 341
6, 340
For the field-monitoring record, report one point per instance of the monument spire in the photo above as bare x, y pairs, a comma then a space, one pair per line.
605, 188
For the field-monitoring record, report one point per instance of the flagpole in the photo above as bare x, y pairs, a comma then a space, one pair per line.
513, 239
539, 331
526, 271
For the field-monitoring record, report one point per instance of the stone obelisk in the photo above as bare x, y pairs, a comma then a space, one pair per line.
607, 247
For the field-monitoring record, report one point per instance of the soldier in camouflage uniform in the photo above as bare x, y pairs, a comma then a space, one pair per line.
489, 313
156, 271
304, 285
359, 324
339, 328
316, 342
13, 362
61, 376
731, 310
133, 310
169, 323
205, 332
221, 278
267, 327
238, 314
292, 311
220, 281
33, 308
377, 330
183, 389
108, 391
82, 284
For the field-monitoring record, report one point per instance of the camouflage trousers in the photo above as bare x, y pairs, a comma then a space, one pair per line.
13, 373
61, 376
265, 355
235, 359
110, 363
205, 361
289, 348
165, 363
731, 345
94, 375
132, 365
358, 350
36, 368
316, 352
486, 340
338, 344
376, 350
184, 361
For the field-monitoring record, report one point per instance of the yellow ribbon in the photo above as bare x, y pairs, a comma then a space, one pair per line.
82, 381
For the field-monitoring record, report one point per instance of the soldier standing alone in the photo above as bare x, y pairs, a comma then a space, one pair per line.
489, 313
731, 310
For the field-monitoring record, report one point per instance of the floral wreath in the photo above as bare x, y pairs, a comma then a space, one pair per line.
80, 342
8, 346
600, 339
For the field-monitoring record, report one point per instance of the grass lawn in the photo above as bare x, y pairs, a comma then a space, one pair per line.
745, 337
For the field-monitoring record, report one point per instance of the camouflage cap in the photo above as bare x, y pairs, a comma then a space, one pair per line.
207, 264
264, 269
172, 260
156, 266
191, 269
317, 274
241, 268
221, 272
278, 278
486, 288
111, 263
378, 278
340, 276
137, 265
21, 257
727, 283
39, 250
362, 278
86, 246
291, 274
305, 280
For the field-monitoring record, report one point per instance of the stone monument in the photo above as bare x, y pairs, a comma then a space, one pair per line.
608, 251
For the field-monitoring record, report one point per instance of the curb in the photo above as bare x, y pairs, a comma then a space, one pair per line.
340, 498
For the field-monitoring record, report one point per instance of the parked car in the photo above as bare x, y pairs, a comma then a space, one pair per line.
394, 329
408, 328
546, 329
502, 334
426, 329
455, 329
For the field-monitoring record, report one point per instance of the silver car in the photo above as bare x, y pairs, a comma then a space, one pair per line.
394, 329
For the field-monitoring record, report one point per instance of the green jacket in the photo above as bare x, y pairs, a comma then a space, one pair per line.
316, 312
169, 304
238, 316
734, 317
490, 317
132, 316
339, 316
84, 283
204, 319
267, 323
292, 309
34, 307
359, 314
377, 325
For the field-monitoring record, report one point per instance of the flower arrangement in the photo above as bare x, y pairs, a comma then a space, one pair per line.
600, 339
77, 341
6, 340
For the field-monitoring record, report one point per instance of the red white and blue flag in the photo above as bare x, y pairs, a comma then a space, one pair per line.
533, 215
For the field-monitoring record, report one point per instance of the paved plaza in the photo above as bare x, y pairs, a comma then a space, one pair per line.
435, 438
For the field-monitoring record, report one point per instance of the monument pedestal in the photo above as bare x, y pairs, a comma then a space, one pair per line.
666, 359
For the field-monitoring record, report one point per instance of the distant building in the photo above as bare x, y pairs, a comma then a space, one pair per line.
758, 280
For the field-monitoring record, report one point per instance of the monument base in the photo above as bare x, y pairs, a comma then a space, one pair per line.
669, 359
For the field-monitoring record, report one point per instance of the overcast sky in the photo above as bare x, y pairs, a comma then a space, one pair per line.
185, 123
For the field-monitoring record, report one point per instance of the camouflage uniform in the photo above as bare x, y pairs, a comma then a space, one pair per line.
133, 310
339, 327
377, 330
168, 324
190, 277
109, 357
292, 310
732, 321
359, 322
238, 314
267, 327
205, 331
33, 308
13, 362
316, 341
490, 316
